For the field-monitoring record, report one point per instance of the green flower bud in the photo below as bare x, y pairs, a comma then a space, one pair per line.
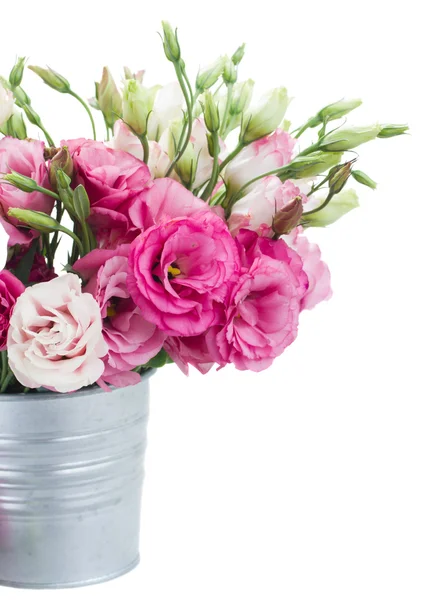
61, 161
15, 126
267, 117
208, 76
288, 217
138, 102
21, 97
52, 79
16, 74
32, 116
34, 219
338, 176
388, 131
238, 55
229, 72
340, 205
211, 113
309, 165
65, 192
170, 42
26, 184
364, 179
241, 97
109, 98
346, 139
335, 111
81, 203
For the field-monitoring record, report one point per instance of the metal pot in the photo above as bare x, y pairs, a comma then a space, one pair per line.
71, 472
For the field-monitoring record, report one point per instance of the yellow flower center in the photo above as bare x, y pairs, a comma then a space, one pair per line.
173, 271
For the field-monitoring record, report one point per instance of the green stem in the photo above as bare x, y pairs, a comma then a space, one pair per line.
325, 203
87, 108
301, 130
4, 366
48, 248
59, 214
215, 171
310, 149
187, 128
47, 192
47, 135
231, 156
6, 382
144, 142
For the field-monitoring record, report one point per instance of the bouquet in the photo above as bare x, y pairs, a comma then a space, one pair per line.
187, 226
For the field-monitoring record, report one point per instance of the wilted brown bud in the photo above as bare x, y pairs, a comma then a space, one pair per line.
62, 160
338, 176
288, 217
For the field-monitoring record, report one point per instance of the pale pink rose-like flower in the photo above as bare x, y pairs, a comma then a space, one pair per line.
112, 179
262, 156
27, 158
125, 140
318, 273
264, 306
132, 341
180, 271
10, 290
55, 336
257, 208
166, 199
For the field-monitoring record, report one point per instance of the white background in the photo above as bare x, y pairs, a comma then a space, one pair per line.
303, 482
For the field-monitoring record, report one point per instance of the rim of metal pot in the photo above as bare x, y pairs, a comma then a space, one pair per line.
49, 395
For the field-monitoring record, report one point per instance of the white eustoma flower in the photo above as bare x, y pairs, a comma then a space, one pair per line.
167, 107
6, 104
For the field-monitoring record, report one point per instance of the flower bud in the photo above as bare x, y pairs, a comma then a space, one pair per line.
338, 176
109, 98
309, 165
288, 217
15, 126
340, 205
137, 104
81, 203
238, 55
170, 42
229, 72
62, 161
208, 76
26, 184
52, 79
211, 113
34, 219
336, 110
32, 116
364, 179
346, 139
21, 97
16, 74
388, 131
65, 192
241, 98
267, 117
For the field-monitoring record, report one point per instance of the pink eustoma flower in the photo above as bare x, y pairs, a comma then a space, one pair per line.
179, 272
264, 306
10, 290
27, 158
132, 341
112, 179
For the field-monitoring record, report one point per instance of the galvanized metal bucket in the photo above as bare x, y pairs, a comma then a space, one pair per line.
71, 472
